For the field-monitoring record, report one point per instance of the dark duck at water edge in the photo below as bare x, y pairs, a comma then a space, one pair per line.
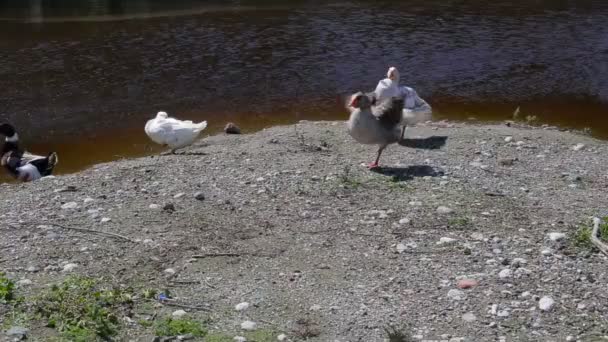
22, 165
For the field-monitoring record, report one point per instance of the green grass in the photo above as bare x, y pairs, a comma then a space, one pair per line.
7, 289
219, 337
81, 310
582, 236
180, 326
347, 180
459, 221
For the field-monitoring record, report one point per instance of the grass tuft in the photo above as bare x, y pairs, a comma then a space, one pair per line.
7, 289
180, 326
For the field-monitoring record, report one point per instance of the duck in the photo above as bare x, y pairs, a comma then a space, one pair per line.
375, 123
415, 109
172, 132
22, 165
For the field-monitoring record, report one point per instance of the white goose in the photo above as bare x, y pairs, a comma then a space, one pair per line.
173, 133
415, 109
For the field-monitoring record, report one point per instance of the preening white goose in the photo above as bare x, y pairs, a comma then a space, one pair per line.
377, 125
415, 109
173, 133
24, 166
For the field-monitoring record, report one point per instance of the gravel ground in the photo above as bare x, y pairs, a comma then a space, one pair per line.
454, 243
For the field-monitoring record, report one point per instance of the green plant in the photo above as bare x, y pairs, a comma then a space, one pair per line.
262, 336
219, 337
398, 334
81, 310
459, 221
7, 289
346, 179
180, 326
582, 236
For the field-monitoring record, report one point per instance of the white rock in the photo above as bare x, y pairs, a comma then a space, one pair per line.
88, 200
180, 195
241, 306
508, 139
69, 205
24, 282
556, 236
154, 206
240, 339
179, 313
578, 147
401, 248
456, 294
502, 313
493, 309
469, 317
315, 307
570, 338
282, 337
33, 269
69, 267
518, 262
477, 236
546, 303
105, 219
415, 203
444, 210
445, 241
405, 221
505, 274
546, 252
169, 271
249, 325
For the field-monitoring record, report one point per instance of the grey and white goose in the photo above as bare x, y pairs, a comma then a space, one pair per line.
375, 123
20, 164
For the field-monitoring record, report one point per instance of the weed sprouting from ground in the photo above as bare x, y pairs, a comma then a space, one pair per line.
395, 334
7, 289
346, 179
180, 326
459, 221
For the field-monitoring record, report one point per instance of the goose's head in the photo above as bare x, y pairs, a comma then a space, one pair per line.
361, 100
393, 74
162, 115
9, 132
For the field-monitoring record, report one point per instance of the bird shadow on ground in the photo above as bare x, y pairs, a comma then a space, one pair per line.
401, 174
431, 143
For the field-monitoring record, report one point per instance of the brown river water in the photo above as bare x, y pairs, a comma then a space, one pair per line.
82, 77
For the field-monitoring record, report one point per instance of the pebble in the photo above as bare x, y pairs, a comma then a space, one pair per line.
405, 221
24, 282
180, 195
556, 236
69, 267
445, 241
505, 274
88, 200
179, 313
456, 294
401, 248
282, 337
33, 269
169, 271
199, 196
546, 252
469, 317
154, 206
241, 306
502, 313
526, 294
546, 303
518, 262
69, 205
578, 147
18, 332
508, 139
570, 338
240, 339
105, 219
415, 203
249, 325
315, 307
444, 210
467, 283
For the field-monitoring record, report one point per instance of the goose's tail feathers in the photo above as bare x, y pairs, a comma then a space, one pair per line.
201, 126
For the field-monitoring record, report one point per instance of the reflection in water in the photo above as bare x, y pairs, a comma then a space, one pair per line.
82, 77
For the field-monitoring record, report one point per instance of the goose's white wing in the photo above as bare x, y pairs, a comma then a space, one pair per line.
416, 109
174, 133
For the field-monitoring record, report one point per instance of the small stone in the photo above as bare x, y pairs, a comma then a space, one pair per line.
556, 236
526, 294
518, 262
232, 128
405, 221
467, 283
505, 274
578, 147
239, 339
33, 269
88, 200
154, 206
469, 317
69, 267
546, 252
445, 241
508, 139
456, 294
546, 303
415, 203
502, 313
199, 196
24, 282
282, 337
17, 332
178, 196
315, 307
401, 248
105, 219
241, 306
169, 271
444, 210
570, 338
179, 313
69, 205
249, 325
